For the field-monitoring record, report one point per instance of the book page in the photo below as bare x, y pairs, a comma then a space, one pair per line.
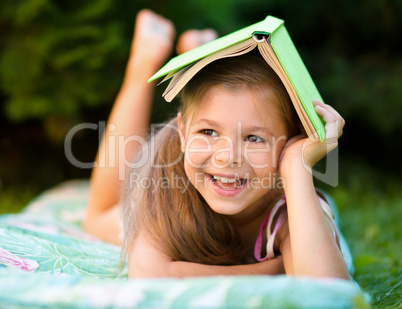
269, 55
298, 75
181, 78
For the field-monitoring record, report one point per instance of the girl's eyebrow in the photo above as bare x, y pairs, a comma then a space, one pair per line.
208, 122
247, 128
254, 128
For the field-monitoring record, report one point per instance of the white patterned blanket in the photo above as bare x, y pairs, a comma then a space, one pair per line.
48, 261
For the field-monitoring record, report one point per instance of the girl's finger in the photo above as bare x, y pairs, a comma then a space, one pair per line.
333, 112
325, 114
333, 127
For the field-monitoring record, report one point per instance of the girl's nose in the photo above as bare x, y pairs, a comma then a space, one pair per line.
227, 153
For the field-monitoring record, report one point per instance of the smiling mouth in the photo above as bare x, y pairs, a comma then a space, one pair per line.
227, 184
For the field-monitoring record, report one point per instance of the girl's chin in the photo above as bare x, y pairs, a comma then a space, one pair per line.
227, 210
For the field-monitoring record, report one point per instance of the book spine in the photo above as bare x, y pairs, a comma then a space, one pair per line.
268, 26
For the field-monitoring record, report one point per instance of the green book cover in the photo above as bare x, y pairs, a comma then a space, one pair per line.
285, 51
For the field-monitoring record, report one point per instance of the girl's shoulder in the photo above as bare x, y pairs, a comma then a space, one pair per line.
272, 224
276, 227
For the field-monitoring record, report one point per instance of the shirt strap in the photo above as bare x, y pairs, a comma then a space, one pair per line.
270, 235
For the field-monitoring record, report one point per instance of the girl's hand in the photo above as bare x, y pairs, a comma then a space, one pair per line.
309, 151
310, 248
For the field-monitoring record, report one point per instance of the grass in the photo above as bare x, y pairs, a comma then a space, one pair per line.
370, 207
13, 200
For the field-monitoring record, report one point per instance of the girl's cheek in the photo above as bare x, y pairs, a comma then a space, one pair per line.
196, 159
198, 150
259, 160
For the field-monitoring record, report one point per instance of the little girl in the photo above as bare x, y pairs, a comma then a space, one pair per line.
226, 186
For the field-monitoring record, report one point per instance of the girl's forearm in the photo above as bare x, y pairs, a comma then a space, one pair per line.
187, 269
146, 260
313, 248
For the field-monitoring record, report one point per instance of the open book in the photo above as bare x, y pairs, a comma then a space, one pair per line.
276, 47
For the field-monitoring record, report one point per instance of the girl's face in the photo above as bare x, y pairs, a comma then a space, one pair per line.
231, 150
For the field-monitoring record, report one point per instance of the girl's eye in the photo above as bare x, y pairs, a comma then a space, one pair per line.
254, 139
209, 132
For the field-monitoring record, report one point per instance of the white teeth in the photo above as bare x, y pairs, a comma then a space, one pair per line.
225, 180
229, 180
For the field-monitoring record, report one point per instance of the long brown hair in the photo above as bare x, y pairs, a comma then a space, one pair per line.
163, 203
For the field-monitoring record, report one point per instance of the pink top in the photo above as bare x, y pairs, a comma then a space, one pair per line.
271, 232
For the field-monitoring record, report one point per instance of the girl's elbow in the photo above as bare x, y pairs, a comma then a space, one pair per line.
160, 270
343, 273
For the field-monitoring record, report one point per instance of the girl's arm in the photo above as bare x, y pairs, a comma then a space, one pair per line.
147, 261
309, 248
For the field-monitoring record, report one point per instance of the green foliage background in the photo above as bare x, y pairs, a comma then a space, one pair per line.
59, 58
62, 62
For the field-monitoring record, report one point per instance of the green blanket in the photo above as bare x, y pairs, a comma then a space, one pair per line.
47, 260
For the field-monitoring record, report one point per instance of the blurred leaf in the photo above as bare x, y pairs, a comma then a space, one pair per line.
364, 260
